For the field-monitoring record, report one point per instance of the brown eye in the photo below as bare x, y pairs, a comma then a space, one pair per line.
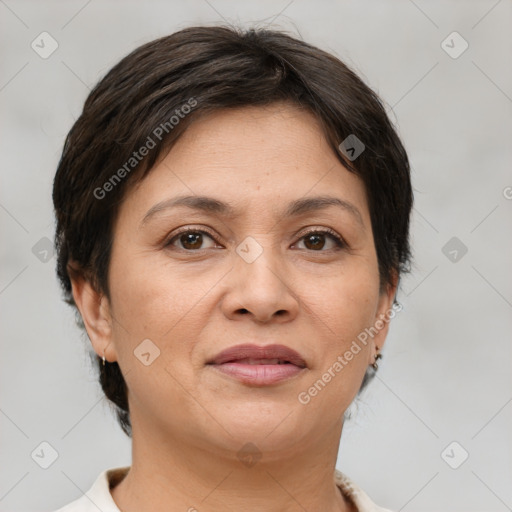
315, 240
190, 239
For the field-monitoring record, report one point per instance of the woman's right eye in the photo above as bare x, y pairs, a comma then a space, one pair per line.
190, 239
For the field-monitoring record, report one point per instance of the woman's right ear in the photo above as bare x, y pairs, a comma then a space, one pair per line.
95, 311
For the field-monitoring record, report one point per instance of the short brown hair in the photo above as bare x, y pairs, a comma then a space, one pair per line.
210, 68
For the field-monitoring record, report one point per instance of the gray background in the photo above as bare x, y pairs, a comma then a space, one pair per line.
446, 371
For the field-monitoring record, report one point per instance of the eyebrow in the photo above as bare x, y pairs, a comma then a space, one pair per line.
217, 207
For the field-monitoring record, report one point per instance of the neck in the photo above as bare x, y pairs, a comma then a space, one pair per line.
169, 474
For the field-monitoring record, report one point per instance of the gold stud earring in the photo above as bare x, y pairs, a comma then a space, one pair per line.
378, 356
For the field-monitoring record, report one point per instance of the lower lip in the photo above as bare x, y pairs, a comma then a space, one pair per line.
259, 374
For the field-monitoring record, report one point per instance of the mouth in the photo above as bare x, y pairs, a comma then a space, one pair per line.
259, 366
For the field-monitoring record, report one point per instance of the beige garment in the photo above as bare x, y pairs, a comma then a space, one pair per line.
98, 497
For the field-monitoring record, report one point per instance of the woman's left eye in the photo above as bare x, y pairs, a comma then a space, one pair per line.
315, 239
193, 239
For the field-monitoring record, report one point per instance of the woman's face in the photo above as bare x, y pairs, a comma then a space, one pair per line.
250, 275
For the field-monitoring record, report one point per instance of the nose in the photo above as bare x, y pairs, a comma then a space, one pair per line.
260, 290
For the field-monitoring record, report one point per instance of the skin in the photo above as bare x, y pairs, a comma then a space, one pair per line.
190, 421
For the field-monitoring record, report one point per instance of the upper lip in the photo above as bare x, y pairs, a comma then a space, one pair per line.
247, 351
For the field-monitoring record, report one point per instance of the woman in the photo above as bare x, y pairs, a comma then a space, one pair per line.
232, 223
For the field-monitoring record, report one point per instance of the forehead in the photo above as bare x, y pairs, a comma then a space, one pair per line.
270, 156
261, 131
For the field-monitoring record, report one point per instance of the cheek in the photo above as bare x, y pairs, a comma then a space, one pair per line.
152, 299
150, 295
346, 307
347, 304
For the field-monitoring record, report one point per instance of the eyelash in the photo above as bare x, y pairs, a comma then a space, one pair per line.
340, 243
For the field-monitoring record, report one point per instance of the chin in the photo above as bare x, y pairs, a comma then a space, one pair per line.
273, 427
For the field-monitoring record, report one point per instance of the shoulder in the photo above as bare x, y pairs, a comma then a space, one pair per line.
361, 500
98, 497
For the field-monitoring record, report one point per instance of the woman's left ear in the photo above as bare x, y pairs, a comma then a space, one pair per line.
385, 312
